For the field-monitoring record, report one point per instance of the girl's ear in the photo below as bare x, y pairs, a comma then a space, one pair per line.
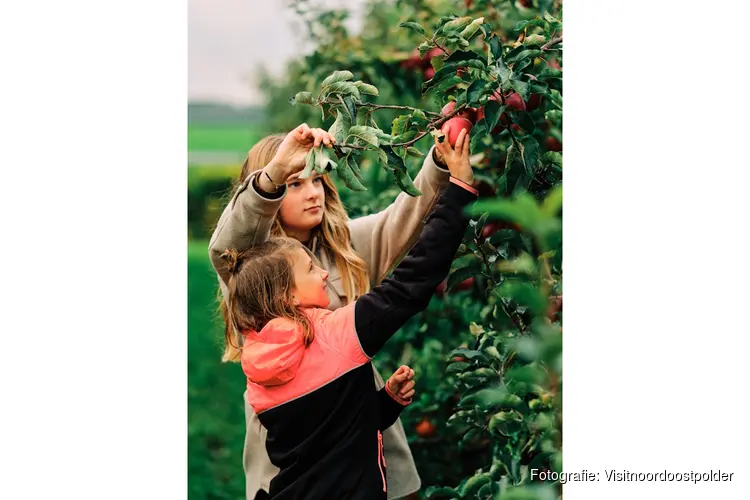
296, 302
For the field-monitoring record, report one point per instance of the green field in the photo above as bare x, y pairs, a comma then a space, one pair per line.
216, 421
216, 137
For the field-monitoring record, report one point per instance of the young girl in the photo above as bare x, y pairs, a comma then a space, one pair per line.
270, 200
308, 368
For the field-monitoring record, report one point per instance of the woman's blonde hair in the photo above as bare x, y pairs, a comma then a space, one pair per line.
332, 234
260, 282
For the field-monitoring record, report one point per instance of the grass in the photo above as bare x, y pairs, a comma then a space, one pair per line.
230, 138
216, 421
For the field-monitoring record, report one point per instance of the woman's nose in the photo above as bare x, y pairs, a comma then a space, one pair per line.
325, 275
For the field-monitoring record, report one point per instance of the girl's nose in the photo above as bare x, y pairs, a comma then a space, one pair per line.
325, 275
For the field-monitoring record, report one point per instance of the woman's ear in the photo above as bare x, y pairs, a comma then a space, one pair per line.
296, 302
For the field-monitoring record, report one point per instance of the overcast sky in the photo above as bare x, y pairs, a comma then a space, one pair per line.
227, 39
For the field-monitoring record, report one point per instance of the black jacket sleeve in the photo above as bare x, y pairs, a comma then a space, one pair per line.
390, 409
381, 312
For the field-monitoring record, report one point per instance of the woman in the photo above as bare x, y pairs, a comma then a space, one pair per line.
358, 254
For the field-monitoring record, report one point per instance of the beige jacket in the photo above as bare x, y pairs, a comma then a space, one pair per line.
381, 239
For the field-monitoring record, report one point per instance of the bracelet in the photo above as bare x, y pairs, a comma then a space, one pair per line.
277, 186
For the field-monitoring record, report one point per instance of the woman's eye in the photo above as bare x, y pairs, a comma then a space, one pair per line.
318, 180
294, 184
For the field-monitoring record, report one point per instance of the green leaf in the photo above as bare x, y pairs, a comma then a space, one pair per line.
412, 151
521, 88
473, 484
523, 293
478, 132
554, 23
405, 183
311, 161
522, 210
347, 88
530, 155
366, 88
476, 90
456, 367
523, 120
448, 84
302, 98
346, 174
457, 24
335, 77
552, 157
523, 264
556, 98
424, 47
460, 56
460, 275
552, 203
467, 353
446, 71
351, 109
340, 127
472, 29
399, 125
414, 26
364, 133
496, 48
351, 162
524, 53
441, 493
492, 112
492, 397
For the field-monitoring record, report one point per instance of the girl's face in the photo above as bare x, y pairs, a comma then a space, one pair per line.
303, 206
310, 286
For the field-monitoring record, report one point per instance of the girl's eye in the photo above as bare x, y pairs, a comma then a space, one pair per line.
319, 180
294, 184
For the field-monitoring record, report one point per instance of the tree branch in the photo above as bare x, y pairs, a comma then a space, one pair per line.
552, 42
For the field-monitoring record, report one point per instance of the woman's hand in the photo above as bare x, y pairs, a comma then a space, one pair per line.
457, 159
290, 157
401, 383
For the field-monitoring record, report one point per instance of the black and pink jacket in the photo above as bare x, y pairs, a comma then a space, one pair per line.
319, 404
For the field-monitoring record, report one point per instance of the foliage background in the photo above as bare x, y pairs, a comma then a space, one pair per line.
487, 359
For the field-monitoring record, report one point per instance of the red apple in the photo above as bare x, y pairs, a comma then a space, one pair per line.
491, 228
456, 124
468, 113
440, 290
526, 3
427, 59
425, 428
514, 101
465, 284
552, 144
429, 73
535, 100
552, 63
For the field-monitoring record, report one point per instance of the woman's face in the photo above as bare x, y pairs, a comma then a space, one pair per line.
303, 206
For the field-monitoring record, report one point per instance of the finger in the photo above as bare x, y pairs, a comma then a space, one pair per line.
460, 140
407, 386
399, 377
408, 395
318, 140
466, 145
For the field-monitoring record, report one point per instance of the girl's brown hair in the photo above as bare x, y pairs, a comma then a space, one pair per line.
260, 283
332, 234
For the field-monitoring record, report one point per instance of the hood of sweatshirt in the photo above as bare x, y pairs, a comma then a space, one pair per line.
272, 355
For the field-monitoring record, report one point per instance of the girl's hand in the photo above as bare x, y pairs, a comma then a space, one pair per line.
401, 383
290, 157
457, 159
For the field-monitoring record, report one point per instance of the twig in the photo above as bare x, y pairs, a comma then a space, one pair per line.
552, 42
